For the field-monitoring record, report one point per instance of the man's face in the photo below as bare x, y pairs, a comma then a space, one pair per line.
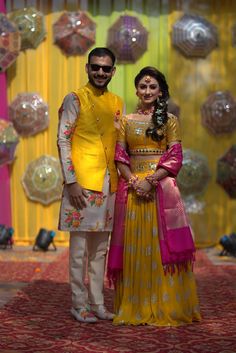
100, 71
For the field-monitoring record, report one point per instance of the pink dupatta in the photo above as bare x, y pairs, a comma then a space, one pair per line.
175, 236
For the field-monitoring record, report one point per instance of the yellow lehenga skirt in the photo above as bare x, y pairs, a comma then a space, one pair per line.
144, 294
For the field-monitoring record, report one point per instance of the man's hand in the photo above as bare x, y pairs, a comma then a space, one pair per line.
77, 195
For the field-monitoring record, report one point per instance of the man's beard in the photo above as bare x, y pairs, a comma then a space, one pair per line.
106, 82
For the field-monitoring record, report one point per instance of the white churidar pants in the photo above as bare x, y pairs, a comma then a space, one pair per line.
87, 249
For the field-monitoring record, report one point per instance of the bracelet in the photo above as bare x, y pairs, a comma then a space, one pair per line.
132, 182
144, 194
152, 180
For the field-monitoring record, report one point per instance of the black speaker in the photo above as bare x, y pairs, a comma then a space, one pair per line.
44, 239
6, 234
228, 242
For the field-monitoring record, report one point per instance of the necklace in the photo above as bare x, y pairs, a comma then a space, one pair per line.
145, 111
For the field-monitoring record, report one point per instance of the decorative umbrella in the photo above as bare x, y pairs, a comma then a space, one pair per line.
8, 142
226, 171
10, 42
194, 36
74, 32
219, 113
173, 108
30, 23
29, 114
42, 180
194, 174
127, 38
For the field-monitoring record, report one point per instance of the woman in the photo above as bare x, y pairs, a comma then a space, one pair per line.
152, 251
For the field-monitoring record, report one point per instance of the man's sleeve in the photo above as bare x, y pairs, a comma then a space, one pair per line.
68, 115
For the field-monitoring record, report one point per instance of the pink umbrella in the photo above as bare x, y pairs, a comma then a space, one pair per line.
74, 33
29, 114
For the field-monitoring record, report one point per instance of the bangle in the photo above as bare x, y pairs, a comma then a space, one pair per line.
132, 182
152, 180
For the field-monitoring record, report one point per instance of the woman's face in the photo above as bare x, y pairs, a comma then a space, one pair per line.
148, 90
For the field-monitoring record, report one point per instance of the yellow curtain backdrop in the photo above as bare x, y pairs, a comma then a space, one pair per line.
50, 73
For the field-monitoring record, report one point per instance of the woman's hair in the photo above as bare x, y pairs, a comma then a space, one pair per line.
159, 116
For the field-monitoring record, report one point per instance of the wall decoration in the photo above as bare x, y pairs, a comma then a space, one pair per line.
29, 114
194, 36
8, 142
42, 180
226, 171
10, 42
31, 26
74, 33
127, 38
173, 108
219, 113
194, 174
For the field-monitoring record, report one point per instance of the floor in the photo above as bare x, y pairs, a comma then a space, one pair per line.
22, 254
26, 254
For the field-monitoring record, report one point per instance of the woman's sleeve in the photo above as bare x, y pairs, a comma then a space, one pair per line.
68, 115
122, 130
173, 130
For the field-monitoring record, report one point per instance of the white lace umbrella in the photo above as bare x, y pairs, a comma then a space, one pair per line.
194, 36
30, 23
219, 113
42, 180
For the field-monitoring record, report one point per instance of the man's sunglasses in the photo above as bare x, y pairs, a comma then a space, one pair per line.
107, 69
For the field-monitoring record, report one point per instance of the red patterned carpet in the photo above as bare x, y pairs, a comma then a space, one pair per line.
37, 319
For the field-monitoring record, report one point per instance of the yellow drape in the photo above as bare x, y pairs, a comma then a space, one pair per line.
52, 74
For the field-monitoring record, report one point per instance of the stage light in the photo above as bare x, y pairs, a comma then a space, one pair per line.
44, 239
228, 242
6, 234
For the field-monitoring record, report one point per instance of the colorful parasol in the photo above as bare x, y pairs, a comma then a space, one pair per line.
194, 36
30, 24
8, 142
127, 38
10, 42
219, 113
29, 114
194, 174
226, 171
74, 33
42, 180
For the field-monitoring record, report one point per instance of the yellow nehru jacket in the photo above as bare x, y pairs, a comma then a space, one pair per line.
93, 142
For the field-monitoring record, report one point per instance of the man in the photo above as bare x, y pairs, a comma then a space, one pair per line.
86, 144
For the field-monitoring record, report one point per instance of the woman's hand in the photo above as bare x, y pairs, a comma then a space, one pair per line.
144, 190
77, 195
